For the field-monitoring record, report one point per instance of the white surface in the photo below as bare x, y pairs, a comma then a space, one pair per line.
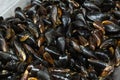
7, 7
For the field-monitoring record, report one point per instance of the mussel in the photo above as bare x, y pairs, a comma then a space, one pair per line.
61, 40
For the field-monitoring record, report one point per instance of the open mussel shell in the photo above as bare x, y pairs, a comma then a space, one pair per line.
20, 52
111, 27
117, 56
108, 43
102, 68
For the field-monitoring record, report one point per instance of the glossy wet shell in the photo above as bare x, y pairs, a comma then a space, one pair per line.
61, 40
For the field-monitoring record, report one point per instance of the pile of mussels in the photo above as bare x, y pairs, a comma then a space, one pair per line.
61, 40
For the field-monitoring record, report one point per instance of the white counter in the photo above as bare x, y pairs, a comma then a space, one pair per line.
7, 7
